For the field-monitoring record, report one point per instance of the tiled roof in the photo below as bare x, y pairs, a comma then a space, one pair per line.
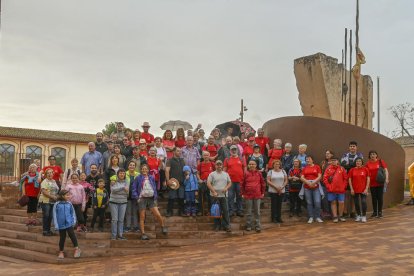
404, 140
40, 134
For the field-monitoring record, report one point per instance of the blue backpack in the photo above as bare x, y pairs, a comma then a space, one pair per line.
215, 211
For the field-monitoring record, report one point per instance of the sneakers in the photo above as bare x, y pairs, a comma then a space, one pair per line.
217, 228
363, 219
342, 219
100, 229
137, 230
248, 228
84, 228
164, 230
310, 220
258, 230
319, 220
240, 214
380, 216
61, 255
113, 238
122, 239
127, 229
335, 220
374, 215
358, 218
144, 237
77, 253
228, 229
79, 229
169, 214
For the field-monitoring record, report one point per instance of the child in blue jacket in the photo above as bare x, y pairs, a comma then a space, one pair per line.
64, 217
191, 191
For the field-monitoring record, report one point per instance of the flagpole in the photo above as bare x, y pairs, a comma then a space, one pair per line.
378, 104
350, 77
344, 86
356, 53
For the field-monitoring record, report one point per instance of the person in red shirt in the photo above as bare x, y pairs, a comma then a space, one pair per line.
204, 168
168, 143
335, 179
311, 175
252, 190
149, 138
243, 140
295, 185
143, 148
211, 148
30, 187
262, 141
249, 149
57, 170
235, 167
180, 141
358, 178
377, 189
275, 153
154, 164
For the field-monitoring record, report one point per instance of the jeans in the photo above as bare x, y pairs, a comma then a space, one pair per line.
203, 199
313, 202
363, 203
47, 210
118, 215
326, 207
377, 199
98, 212
295, 202
234, 193
190, 204
276, 206
253, 204
62, 237
224, 221
132, 213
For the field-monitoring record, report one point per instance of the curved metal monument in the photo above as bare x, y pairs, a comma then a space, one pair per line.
322, 134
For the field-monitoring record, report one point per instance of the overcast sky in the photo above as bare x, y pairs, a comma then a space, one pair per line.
76, 65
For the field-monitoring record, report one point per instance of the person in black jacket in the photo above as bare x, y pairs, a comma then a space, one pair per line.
100, 199
174, 169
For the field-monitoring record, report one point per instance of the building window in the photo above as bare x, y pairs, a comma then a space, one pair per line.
34, 152
7, 155
60, 154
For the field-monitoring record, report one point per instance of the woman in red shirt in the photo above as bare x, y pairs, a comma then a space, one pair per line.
377, 189
168, 143
31, 188
252, 189
275, 153
154, 164
359, 184
180, 138
295, 185
311, 175
136, 136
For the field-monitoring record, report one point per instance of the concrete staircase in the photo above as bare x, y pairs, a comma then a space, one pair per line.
27, 243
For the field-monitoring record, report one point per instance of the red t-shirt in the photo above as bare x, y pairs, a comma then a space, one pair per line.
204, 169
359, 179
143, 153
30, 188
262, 141
243, 144
297, 173
235, 168
180, 143
311, 173
212, 149
373, 171
57, 170
153, 164
148, 137
169, 143
247, 151
273, 155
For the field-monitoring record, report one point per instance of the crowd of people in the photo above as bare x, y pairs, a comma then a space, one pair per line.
123, 174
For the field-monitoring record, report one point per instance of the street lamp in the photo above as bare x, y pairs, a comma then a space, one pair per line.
243, 109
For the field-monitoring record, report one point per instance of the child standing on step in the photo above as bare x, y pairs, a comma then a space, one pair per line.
100, 199
64, 220
78, 199
191, 191
89, 189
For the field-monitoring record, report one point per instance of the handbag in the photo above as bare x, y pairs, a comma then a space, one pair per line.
23, 200
380, 179
215, 211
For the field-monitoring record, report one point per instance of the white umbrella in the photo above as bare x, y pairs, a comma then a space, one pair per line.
173, 125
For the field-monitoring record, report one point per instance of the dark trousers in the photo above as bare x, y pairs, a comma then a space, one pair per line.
224, 208
295, 202
326, 206
170, 205
204, 201
377, 199
47, 210
363, 198
62, 237
98, 212
79, 213
276, 206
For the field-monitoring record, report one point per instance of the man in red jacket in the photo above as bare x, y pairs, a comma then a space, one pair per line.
252, 190
336, 180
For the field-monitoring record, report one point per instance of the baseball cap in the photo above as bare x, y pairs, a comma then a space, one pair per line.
233, 147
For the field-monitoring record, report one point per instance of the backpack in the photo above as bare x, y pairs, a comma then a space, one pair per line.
215, 211
68, 173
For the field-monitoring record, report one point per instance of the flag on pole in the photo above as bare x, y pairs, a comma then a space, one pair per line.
360, 59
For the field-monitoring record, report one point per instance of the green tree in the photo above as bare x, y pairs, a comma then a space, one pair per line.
109, 128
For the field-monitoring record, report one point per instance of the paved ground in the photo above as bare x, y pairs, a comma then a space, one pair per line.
379, 247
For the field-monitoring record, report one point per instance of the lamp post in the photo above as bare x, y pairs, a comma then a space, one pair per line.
243, 109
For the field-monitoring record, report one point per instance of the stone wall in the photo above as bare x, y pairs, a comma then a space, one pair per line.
318, 79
